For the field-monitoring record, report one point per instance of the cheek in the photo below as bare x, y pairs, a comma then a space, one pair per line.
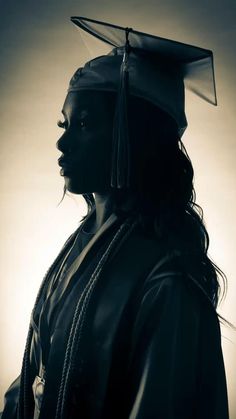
93, 154
93, 161
98, 147
100, 160
93, 168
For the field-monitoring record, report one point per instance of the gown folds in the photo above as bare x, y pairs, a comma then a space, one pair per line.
120, 330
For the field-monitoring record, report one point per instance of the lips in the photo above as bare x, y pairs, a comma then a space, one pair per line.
66, 165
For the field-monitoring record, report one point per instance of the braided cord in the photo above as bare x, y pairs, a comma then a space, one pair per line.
79, 320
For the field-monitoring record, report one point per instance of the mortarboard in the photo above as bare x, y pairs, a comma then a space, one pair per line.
146, 66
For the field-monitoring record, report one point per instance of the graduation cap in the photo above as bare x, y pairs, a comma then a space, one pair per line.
146, 66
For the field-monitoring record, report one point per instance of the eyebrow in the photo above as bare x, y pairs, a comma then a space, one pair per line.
85, 110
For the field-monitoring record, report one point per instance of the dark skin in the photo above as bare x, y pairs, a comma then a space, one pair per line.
86, 146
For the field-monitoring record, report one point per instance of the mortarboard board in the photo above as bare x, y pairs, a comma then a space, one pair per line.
149, 67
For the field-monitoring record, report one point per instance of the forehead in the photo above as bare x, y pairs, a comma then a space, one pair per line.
88, 100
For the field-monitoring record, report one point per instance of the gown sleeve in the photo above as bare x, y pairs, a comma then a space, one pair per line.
176, 364
11, 400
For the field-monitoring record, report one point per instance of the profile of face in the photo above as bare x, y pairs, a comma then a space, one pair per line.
86, 143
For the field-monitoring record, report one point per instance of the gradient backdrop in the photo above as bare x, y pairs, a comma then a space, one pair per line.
40, 50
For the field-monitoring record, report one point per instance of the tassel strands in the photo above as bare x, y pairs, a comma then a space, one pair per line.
120, 171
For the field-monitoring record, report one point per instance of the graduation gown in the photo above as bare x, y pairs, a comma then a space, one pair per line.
150, 346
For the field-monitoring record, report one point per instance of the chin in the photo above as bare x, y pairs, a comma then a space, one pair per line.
83, 188
76, 189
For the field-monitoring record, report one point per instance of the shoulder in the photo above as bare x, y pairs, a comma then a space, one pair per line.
172, 271
171, 292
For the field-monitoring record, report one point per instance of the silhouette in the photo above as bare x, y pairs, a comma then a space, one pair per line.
125, 322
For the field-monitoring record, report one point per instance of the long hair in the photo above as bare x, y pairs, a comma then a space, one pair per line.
165, 200
162, 178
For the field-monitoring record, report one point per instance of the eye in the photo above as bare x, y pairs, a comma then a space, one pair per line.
82, 123
62, 124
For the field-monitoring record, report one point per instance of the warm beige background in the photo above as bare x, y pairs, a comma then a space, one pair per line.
40, 49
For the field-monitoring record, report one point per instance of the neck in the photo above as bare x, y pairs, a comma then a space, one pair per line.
104, 207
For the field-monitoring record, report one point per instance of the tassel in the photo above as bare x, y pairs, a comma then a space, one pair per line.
120, 171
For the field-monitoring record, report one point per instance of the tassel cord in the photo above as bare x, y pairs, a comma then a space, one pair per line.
79, 321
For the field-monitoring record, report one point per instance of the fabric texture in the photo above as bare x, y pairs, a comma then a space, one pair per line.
150, 345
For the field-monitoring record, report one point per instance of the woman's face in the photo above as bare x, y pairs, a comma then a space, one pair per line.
86, 142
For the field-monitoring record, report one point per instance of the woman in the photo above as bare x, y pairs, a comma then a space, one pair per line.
125, 323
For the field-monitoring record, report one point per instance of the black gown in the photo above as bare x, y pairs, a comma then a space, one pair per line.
150, 345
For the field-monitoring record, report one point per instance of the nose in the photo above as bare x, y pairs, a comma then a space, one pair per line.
63, 144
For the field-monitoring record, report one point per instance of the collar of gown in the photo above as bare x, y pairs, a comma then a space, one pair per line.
108, 223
